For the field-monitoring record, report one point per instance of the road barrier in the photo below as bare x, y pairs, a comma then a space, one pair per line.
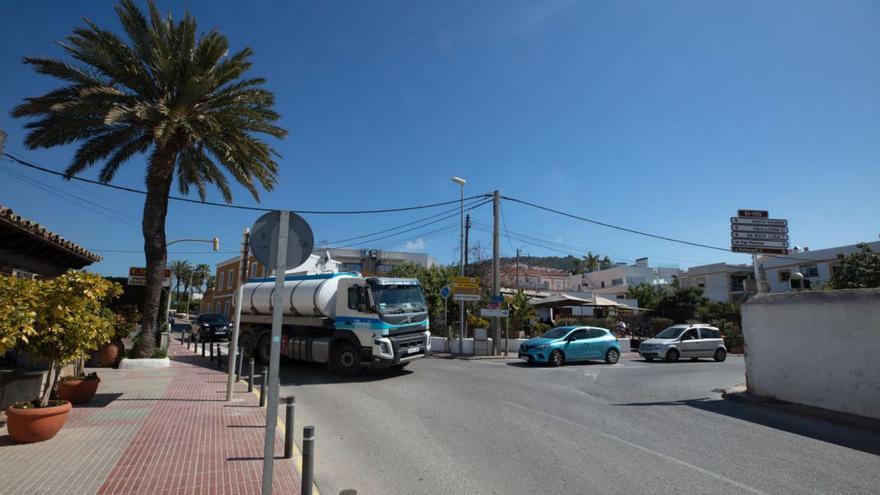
288, 427
264, 378
251, 375
308, 466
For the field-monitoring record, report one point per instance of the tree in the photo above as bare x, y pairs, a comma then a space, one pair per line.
859, 270
68, 316
164, 91
648, 295
201, 272
432, 279
521, 312
179, 270
680, 304
18, 302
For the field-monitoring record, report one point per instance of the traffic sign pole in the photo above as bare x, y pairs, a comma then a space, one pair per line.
275, 352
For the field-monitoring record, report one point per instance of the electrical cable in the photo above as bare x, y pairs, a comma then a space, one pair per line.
234, 206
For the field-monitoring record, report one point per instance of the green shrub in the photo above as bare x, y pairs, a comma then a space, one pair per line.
659, 324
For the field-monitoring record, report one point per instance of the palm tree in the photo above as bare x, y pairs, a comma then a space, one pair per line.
591, 262
164, 91
180, 271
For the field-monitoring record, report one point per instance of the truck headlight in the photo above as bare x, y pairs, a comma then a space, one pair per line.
384, 348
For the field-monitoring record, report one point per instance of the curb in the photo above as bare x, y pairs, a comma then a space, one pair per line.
297, 453
741, 395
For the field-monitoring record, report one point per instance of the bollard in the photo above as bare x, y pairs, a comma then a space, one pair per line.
239, 363
288, 427
251, 375
189, 341
203, 348
308, 465
211, 351
264, 387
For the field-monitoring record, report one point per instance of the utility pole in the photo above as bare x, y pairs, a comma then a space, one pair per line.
467, 232
496, 267
2, 140
461, 320
517, 269
236, 322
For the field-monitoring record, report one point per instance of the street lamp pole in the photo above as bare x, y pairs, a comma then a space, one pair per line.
215, 245
461, 318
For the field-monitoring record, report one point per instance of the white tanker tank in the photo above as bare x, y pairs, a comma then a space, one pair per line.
304, 295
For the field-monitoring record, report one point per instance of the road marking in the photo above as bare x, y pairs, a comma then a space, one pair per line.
643, 449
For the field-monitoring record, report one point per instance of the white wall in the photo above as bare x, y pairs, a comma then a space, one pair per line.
818, 348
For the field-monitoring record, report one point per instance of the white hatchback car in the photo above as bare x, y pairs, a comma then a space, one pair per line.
685, 341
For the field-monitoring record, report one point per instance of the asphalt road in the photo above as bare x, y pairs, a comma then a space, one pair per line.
459, 427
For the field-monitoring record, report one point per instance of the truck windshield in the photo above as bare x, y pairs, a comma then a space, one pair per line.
399, 299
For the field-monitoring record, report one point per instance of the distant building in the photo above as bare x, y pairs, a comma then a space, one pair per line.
721, 282
615, 281
816, 266
523, 276
369, 262
27, 249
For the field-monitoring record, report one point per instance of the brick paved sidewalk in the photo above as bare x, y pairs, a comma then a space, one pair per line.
157, 432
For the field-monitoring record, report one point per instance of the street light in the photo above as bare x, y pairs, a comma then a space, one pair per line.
215, 246
461, 322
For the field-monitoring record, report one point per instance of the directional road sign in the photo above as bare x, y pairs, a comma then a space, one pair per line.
764, 236
758, 250
458, 296
752, 213
758, 243
445, 292
735, 227
490, 312
780, 222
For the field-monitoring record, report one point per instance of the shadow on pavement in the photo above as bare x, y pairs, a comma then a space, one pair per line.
817, 429
100, 400
297, 373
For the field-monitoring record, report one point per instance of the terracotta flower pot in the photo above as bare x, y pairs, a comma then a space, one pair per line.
78, 391
109, 355
37, 424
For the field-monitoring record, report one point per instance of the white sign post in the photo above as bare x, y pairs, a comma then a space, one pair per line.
753, 231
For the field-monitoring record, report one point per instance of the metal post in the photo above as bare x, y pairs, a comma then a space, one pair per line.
507, 331
189, 340
759, 287
211, 351
189, 291
234, 350
203, 348
251, 375
308, 467
275, 351
240, 359
264, 385
496, 268
288, 427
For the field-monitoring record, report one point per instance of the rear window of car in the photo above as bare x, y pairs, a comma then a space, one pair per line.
595, 333
708, 333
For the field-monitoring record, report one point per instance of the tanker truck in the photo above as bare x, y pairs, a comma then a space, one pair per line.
342, 319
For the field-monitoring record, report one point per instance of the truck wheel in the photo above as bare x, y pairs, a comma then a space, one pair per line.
347, 360
264, 347
246, 343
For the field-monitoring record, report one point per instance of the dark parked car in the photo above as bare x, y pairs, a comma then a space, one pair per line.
209, 327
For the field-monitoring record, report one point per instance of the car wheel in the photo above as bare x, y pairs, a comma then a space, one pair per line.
612, 356
346, 360
672, 355
556, 358
720, 355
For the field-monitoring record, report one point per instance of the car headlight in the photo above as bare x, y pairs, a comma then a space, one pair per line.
542, 347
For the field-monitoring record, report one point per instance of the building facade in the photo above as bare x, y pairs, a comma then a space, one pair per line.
615, 281
721, 282
522, 276
816, 266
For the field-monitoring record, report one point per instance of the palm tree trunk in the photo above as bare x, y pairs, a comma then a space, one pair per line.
159, 179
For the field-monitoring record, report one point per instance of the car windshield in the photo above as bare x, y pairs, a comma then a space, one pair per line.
671, 333
556, 333
399, 298
213, 318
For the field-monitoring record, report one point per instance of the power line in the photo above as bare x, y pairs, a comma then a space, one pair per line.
234, 206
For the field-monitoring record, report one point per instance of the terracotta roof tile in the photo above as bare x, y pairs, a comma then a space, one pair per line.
10, 217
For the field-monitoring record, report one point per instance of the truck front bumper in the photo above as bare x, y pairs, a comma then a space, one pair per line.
397, 349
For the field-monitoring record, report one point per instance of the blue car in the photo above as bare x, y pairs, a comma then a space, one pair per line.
568, 344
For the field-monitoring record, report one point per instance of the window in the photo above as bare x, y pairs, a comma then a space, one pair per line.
579, 335
810, 271
254, 270
595, 333
229, 279
689, 335
352, 267
701, 282
227, 308
784, 275
219, 284
354, 298
217, 306
834, 268
603, 284
708, 333
617, 281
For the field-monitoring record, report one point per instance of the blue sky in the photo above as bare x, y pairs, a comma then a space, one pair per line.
659, 116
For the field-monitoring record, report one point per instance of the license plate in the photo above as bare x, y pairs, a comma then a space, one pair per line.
413, 350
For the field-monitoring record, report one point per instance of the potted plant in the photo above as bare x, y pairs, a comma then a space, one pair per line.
125, 319
78, 389
58, 320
